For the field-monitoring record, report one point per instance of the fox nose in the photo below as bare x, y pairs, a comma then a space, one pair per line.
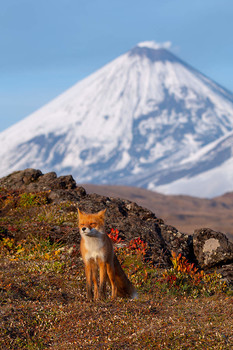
84, 229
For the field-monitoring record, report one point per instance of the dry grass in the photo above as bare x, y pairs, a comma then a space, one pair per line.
43, 302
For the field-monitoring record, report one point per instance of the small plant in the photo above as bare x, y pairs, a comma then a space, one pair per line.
8, 198
114, 235
56, 215
44, 254
138, 245
7, 245
185, 279
213, 284
33, 199
131, 256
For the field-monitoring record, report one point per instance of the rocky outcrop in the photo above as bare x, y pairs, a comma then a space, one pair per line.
213, 250
207, 248
32, 180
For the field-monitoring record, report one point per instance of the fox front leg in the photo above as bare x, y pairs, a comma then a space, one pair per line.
94, 268
103, 279
88, 272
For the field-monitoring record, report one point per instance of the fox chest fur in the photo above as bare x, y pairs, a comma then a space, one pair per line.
93, 247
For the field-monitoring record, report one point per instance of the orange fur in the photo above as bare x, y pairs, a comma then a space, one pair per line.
98, 254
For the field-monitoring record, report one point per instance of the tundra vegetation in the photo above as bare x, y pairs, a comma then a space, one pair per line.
43, 299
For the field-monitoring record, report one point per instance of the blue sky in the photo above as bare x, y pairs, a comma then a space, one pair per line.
48, 45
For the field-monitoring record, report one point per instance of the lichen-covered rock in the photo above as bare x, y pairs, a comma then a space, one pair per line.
212, 248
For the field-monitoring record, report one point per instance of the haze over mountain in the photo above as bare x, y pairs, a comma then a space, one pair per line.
146, 119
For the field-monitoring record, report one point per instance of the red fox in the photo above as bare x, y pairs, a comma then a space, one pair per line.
98, 254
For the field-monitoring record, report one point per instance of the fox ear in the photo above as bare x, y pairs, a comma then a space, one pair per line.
102, 212
79, 212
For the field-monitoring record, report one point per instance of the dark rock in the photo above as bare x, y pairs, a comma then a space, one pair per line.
175, 240
32, 180
20, 179
212, 248
227, 273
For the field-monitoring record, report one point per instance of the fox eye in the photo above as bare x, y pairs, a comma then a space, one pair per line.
92, 224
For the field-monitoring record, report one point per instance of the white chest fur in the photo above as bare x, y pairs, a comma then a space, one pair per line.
94, 247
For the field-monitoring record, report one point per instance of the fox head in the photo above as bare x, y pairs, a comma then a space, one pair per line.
91, 224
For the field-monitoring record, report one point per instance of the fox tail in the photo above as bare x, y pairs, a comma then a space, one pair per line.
124, 286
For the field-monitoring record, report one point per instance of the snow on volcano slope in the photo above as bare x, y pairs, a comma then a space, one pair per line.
135, 121
209, 172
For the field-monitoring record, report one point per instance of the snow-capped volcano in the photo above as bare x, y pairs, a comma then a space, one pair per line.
140, 120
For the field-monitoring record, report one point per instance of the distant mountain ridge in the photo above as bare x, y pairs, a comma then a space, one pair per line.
146, 119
